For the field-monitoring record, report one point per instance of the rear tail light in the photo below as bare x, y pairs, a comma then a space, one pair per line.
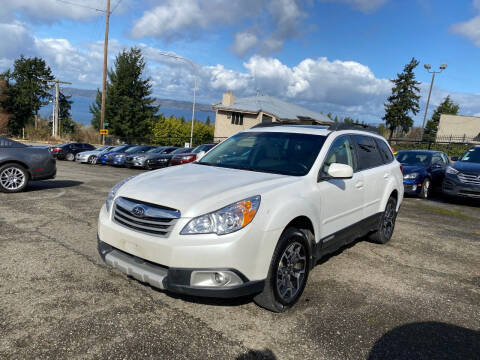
56, 149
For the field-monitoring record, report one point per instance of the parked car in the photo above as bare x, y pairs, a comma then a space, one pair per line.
119, 158
163, 160
423, 171
228, 226
463, 176
107, 158
140, 160
20, 163
199, 151
92, 155
69, 150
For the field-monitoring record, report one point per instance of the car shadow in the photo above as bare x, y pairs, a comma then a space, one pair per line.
51, 184
257, 355
427, 340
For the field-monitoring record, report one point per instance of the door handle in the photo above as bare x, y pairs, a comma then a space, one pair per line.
359, 184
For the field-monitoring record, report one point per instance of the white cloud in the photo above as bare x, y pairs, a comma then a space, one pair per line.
365, 6
16, 39
471, 28
244, 41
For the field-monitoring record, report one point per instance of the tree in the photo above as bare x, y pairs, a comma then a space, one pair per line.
27, 90
67, 125
129, 109
447, 106
404, 100
207, 122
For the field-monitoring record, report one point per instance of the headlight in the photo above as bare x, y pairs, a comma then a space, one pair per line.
413, 175
139, 157
113, 192
120, 156
451, 170
162, 160
226, 220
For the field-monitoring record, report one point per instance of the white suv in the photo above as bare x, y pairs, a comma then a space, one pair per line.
255, 214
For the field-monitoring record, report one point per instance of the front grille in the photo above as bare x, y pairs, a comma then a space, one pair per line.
155, 220
129, 158
471, 179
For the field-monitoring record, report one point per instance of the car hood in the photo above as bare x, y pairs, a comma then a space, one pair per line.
467, 166
408, 169
198, 189
158, 156
90, 152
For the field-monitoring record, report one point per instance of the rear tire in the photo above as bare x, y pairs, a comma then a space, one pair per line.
13, 178
288, 272
387, 223
70, 157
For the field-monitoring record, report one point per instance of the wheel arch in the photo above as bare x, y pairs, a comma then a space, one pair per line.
303, 223
17, 162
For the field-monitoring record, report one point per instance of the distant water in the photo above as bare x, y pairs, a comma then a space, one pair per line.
80, 111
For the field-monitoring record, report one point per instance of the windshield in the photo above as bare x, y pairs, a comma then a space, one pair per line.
272, 152
204, 147
101, 148
472, 155
121, 148
181, 151
156, 150
136, 149
414, 158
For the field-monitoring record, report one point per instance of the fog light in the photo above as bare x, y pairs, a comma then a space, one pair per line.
214, 278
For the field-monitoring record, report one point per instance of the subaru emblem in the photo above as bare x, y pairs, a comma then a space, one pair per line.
138, 211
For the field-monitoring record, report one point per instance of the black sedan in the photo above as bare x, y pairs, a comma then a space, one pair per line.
20, 163
462, 178
140, 160
163, 160
70, 150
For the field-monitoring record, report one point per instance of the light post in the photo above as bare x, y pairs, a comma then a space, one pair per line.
195, 74
428, 67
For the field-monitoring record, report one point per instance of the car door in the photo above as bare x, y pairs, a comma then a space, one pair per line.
340, 200
375, 173
437, 169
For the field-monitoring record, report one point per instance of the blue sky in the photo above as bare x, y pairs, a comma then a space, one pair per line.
328, 55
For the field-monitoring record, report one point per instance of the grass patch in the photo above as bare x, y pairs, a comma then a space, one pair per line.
449, 212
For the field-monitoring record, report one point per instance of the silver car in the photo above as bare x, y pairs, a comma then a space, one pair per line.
90, 157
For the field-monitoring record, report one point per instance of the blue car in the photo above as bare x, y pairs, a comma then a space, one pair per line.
107, 158
423, 171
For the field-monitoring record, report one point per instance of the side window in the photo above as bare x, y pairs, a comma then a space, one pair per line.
340, 152
437, 159
445, 159
368, 154
384, 150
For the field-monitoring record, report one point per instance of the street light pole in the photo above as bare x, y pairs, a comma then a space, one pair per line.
428, 67
195, 74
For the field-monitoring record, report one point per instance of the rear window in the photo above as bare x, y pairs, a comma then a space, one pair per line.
385, 151
4, 142
368, 154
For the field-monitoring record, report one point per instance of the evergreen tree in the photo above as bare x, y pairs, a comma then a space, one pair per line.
404, 100
67, 125
26, 92
447, 106
207, 122
129, 109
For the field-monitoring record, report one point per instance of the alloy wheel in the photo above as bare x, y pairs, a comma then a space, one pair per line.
12, 178
291, 271
388, 220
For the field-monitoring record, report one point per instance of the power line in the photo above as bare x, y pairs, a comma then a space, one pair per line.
80, 5
116, 6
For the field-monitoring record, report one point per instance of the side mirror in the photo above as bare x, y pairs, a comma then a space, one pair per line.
338, 171
200, 155
436, 166
454, 158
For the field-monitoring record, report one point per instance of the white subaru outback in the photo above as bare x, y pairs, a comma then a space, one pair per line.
253, 216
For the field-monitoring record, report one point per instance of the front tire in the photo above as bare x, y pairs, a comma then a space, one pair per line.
387, 223
13, 178
70, 157
92, 160
288, 272
426, 189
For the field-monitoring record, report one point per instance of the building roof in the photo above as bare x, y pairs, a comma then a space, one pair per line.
282, 110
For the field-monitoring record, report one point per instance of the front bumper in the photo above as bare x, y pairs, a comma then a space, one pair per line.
157, 164
412, 187
135, 163
452, 186
176, 280
81, 159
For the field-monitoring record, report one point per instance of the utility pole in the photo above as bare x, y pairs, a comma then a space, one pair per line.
104, 83
56, 108
428, 67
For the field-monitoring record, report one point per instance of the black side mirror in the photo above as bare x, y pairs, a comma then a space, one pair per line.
436, 166
454, 158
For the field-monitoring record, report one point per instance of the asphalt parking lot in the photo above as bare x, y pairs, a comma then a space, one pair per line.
417, 297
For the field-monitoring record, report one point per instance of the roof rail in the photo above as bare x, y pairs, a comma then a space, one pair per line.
345, 126
261, 125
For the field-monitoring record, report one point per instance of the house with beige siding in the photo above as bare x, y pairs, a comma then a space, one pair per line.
234, 115
458, 127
